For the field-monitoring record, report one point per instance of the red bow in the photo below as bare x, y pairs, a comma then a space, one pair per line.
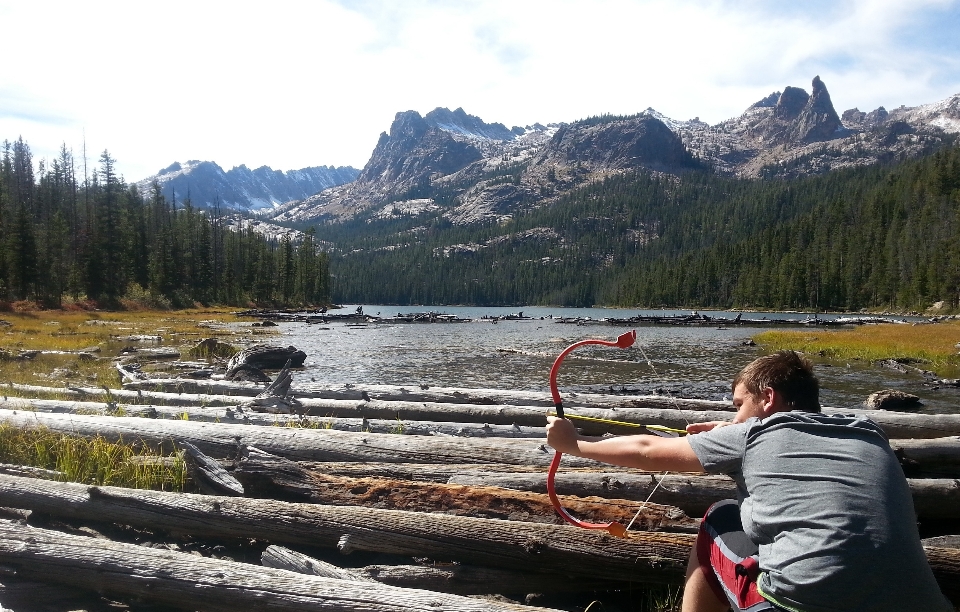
625, 340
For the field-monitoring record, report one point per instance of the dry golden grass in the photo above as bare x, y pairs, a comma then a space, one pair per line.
61, 330
934, 346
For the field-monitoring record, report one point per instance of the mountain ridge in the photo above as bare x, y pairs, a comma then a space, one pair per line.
240, 188
473, 171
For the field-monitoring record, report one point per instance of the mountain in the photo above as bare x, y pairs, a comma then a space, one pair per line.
241, 188
465, 170
476, 171
793, 133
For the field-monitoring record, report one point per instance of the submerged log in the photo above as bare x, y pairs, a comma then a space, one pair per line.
201, 583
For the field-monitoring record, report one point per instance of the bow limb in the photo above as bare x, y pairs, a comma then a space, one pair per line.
625, 340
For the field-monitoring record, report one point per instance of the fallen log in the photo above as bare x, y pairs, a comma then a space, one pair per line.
201, 583
220, 440
933, 499
895, 425
643, 557
124, 395
240, 415
459, 579
275, 478
424, 393
933, 457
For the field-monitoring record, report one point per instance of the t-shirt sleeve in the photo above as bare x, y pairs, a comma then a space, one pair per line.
721, 449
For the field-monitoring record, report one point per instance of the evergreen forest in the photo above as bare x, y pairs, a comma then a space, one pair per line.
73, 233
874, 237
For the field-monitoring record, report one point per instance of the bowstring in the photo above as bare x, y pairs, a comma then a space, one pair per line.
677, 408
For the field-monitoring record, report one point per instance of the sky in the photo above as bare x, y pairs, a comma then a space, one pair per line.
291, 84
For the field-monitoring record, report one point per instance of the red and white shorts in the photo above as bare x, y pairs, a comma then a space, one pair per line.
729, 559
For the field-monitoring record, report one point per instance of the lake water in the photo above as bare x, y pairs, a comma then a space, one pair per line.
696, 362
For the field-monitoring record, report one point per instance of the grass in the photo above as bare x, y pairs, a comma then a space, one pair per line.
91, 460
77, 330
931, 345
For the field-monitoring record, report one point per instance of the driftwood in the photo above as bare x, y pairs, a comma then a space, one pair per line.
449, 578
424, 393
933, 499
125, 395
191, 582
222, 439
643, 557
266, 476
933, 457
239, 415
209, 475
276, 397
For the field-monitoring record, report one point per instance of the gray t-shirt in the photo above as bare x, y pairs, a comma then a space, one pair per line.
825, 500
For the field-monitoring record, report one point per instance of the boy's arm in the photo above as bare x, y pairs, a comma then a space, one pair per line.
645, 452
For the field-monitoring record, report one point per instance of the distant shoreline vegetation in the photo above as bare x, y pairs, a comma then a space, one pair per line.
874, 238
73, 236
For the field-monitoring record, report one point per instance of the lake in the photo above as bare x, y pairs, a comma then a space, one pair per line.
695, 362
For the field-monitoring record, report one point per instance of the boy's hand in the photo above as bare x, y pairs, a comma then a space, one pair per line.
693, 428
562, 435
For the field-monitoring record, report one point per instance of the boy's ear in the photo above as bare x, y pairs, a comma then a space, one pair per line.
768, 400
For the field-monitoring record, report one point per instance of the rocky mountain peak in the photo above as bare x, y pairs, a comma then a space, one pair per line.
791, 103
458, 122
768, 102
818, 120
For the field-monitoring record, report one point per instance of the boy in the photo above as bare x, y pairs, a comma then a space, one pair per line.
824, 521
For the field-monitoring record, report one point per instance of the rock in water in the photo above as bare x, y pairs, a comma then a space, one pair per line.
891, 399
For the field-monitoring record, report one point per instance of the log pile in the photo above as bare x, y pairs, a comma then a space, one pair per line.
377, 498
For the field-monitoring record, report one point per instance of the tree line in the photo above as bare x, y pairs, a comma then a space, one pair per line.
69, 232
881, 236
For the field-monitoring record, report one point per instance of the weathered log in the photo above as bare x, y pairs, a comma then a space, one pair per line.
124, 395
208, 474
276, 397
933, 499
191, 582
222, 439
279, 557
895, 425
459, 579
275, 478
932, 457
642, 557
424, 472
450, 395
236, 414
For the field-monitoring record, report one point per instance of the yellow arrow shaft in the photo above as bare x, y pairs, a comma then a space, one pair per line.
624, 423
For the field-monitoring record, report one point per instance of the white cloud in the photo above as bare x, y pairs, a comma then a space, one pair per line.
293, 84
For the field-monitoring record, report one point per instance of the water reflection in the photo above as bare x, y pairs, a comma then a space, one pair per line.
683, 361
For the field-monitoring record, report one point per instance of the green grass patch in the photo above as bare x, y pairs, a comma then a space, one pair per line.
930, 346
92, 460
